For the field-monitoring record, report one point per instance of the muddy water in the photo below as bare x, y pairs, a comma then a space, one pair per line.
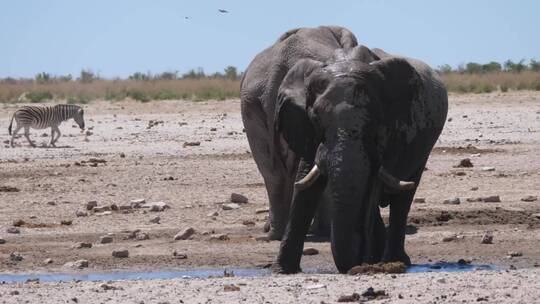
206, 273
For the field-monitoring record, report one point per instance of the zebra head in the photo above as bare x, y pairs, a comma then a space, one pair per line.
78, 116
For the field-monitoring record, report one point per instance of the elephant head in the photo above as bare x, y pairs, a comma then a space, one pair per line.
341, 116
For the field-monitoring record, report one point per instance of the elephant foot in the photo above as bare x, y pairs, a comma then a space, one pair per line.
274, 235
397, 257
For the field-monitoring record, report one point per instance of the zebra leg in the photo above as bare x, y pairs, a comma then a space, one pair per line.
58, 134
52, 137
27, 135
13, 135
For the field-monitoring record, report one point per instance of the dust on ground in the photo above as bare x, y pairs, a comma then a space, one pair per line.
193, 155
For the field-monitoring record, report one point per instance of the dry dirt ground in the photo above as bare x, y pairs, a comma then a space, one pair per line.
42, 187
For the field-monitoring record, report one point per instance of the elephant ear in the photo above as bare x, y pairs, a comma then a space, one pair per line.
400, 85
291, 117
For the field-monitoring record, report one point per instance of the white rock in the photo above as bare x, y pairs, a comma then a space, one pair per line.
452, 201
155, 206
137, 203
487, 169
91, 205
79, 264
230, 206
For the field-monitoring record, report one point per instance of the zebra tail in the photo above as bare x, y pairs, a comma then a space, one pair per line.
11, 124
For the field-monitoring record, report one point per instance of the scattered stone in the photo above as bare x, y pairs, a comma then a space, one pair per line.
487, 238
109, 287
122, 253
15, 257
474, 188
219, 237
141, 236
185, 234
137, 203
2, 241
13, 230
83, 245
463, 262
9, 189
47, 261
536, 216
155, 220
444, 217
491, 199
230, 206
315, 286
529, 198
155, 206
91, 205
101, 209
441, 281
122, 155
14, 293
97, 160
262, 239
349, 298
106, 239
104, 213
452, 201
231, 287
371, 294
238, 198
179, 256
18, 223
474, 199
212, 214
464, 163
248, 223
513, 254
488, 169
310, 251
66, 222
51, 203
80, 213
419, 200
449, 238
191, 144
263, 210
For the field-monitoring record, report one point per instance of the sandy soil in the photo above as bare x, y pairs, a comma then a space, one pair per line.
493, 130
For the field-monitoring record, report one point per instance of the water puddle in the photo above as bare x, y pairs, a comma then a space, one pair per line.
207, 273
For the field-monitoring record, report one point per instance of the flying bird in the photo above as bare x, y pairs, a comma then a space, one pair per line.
223, 11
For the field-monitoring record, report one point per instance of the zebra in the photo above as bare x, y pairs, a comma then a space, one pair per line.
41, 117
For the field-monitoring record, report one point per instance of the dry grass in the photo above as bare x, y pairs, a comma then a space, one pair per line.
221, 89
192, 89
488, 82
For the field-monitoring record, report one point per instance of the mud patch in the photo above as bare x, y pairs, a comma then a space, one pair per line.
497, 216
394, 267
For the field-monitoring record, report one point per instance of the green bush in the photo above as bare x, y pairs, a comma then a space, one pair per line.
37, 97
138, 95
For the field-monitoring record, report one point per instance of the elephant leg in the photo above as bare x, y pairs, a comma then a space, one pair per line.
375, 231
302, 212
399, 210
278, 174
280, 196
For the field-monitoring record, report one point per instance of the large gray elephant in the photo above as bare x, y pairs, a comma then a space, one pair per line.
323, 114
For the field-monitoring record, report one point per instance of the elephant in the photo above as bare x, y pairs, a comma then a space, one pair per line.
326, 115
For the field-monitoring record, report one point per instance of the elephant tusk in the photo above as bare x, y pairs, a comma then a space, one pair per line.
393, 182
309, 179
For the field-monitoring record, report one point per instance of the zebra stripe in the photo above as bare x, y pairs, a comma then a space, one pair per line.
41, 117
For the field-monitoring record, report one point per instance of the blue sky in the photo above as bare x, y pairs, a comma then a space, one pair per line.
120, 37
